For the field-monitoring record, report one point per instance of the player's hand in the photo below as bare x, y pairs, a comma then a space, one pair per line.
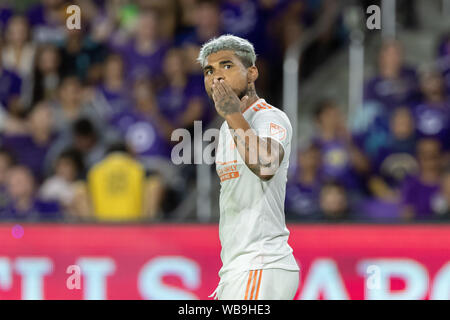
225, 99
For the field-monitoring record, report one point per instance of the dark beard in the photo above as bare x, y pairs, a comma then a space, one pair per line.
243, 93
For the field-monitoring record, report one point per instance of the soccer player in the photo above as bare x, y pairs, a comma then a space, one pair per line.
252, 160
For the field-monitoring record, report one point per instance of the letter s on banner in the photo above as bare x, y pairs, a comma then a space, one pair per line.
150, 278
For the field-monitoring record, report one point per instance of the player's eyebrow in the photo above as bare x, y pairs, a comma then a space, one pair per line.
225, 62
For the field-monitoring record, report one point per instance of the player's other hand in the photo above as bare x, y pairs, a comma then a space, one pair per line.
225, 99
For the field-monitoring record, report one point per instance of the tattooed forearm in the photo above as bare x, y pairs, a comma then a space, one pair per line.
261, 156
227, 105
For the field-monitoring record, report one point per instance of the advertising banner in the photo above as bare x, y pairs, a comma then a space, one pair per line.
165, 261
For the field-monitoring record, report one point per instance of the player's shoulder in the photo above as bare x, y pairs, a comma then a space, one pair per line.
262, 111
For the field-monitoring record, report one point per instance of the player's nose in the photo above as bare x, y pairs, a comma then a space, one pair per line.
217, 78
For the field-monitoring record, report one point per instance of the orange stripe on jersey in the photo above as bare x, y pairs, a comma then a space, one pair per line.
254, 283
248, 284
250, 106
262, 106
259, 283
229, 175
268, 106
224, 163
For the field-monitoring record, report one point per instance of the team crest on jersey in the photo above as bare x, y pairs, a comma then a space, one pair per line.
277, 131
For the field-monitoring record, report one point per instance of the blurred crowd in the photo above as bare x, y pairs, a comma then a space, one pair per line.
391, 161
86, 115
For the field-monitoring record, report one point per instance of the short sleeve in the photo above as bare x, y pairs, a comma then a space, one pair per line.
273, 124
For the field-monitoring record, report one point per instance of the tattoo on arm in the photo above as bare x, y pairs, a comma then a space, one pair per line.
228, 105
262, 157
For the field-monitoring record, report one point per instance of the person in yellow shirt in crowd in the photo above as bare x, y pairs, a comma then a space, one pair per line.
118, 190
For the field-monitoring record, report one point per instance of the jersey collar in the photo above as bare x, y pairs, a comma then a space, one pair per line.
253, 104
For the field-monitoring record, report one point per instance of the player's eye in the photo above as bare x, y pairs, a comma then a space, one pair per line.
208, 72
227, 66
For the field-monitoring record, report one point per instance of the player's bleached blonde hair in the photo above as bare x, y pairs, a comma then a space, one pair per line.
242, 48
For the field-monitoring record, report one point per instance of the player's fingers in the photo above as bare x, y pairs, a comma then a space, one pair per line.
214, 95
226, 87
214, 90
219, 87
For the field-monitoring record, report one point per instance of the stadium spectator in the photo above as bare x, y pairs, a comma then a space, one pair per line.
22, 202
433, 113
419, 191
187, 16
334, 202
81, 56
166, 11
395, 158
71, 106
342, 159
111, 95
10, 89
88, 141
303, 189
395, 84
32, 146
18, 53
144, 53
207, 25
46, 74
85, 138
181, 100
48, 21
119, 190
62, 186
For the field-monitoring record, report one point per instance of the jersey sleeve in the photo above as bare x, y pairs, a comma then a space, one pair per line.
275, 125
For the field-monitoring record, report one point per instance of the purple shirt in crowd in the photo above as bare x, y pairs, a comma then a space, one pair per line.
27, 152
434, 121
108, 103
5, 14
302, 201
419, 196
393, 93
245, 19
141, 134
142, 66
42, 28
10, 86
395, 160
39, 211
173, 101
336, 164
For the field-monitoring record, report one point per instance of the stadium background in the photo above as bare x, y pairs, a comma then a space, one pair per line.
85, 123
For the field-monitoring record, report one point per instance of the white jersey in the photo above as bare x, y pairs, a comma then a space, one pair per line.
252, 226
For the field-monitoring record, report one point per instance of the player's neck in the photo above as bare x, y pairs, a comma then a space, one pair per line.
252, 98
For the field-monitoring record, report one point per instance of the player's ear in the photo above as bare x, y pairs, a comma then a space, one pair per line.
252, 74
